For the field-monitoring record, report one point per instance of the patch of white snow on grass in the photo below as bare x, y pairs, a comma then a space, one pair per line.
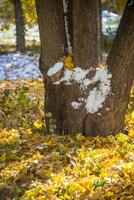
55, 68
19, 66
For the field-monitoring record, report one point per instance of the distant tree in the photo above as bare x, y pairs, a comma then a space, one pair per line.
6, 17
20, 26
100, 109
119, 5
19, 12
29, 12
114, 5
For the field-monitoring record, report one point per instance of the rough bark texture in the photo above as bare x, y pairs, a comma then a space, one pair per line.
52, 32
120, 63
59, 97
53, 45
86, 28
20, 27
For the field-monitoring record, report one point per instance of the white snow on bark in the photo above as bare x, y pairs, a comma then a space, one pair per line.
97, 96
99, 114
77, 75
65, 6
76, 105
55, 68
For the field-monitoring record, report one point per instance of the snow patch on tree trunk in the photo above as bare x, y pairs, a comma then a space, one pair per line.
65, 7
94, 98
55, 68
76, 105
77, 75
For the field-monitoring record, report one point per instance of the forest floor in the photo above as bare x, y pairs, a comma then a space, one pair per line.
35, 165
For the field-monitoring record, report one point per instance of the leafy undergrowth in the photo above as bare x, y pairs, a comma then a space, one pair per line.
34, 165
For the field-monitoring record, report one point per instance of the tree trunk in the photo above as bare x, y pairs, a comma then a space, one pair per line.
53, 46
60, 97
120, 64
96, 109
20, 27
52, 32
86, 28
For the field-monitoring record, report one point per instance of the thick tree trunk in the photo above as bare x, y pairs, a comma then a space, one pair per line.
20, 27
96, 109
52, 32
53, 46
86, 28
59, 98
120, 64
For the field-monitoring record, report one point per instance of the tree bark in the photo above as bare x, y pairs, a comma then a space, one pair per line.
20, 26
52, 32
120, 64
86, 29
108, 119
58, 98
53, 46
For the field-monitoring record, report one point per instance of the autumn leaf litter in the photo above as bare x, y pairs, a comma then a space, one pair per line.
35, 165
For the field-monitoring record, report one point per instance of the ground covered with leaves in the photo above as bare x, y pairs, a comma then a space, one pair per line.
35, 165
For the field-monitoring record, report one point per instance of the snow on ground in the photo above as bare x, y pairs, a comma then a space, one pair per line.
110, 22
16, 65
8, 36
19, 66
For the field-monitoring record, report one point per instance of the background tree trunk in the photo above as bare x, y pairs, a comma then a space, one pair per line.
86, 29
20, 27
